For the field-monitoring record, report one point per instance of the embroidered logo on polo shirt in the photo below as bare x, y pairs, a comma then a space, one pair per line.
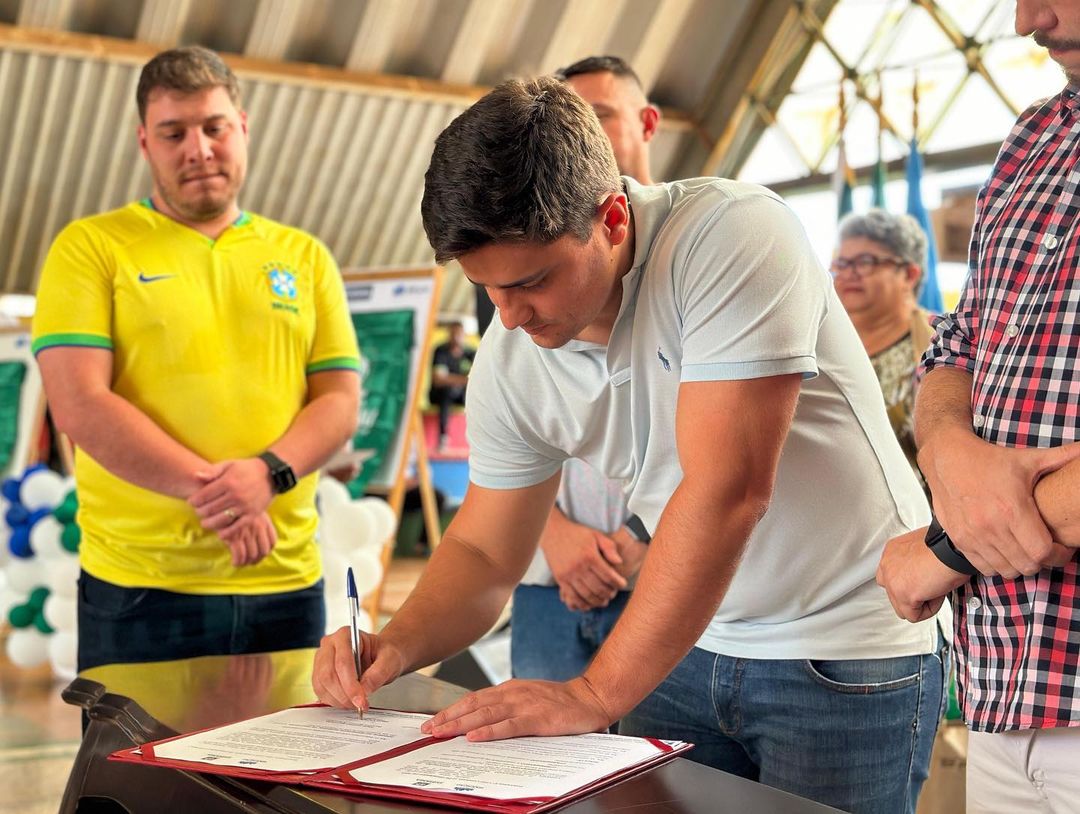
663, 360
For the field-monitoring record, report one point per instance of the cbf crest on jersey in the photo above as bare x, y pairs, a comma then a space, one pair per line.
282, 280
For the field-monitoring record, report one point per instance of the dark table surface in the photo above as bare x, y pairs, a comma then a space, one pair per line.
130, 704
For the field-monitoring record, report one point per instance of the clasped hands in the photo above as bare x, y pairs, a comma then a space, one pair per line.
588, 566
231, 502
984, 498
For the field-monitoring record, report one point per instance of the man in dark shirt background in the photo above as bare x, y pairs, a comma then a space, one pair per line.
449, 374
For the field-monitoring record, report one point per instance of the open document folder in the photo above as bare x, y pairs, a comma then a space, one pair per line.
384, 754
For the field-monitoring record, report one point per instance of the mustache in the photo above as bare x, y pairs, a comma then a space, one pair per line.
1055, 45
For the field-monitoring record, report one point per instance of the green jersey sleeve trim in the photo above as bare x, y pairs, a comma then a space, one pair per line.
338, 363
70, 340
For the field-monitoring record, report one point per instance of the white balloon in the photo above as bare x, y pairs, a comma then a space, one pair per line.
27, 647
385, 520
26, 574
63, 648
337, 614
363, 621
367, 571
61, 612
43, 489
63, 575
334, 567
331, 492
9, 598
45, 538
345, 526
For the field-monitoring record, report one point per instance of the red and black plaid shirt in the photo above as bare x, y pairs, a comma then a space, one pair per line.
1016, 329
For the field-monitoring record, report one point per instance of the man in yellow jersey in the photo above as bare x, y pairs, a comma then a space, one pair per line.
202, 360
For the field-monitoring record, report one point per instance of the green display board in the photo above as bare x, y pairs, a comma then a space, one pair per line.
386, 341
12, 376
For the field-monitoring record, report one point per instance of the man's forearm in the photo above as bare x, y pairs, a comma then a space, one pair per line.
690, 564
125, 441
318, 431
1056, 496
942, 405
457, 600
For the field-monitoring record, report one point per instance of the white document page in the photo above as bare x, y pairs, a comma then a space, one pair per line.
528, 768
298, 740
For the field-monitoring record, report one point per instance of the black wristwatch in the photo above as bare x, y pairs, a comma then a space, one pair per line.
637, 529
938, 542
282, 477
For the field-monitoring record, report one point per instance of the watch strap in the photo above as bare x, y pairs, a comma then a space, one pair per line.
637, 529
942, 547
282, 477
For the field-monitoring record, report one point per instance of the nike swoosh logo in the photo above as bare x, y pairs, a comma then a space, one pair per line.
145, 278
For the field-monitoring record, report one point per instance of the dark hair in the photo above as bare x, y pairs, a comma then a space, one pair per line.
611, 64
528, 162
187, 70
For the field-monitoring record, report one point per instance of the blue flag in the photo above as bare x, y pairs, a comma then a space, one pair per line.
930, 298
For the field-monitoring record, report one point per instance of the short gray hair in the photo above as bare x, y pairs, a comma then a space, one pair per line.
900, 234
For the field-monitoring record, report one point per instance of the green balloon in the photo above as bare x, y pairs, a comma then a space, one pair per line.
70, 537
22, 615
41, 624
65, 512
38, 597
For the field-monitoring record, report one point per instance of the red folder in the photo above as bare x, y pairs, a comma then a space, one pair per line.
337, 779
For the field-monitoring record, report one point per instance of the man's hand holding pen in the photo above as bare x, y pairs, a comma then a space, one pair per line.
333, 676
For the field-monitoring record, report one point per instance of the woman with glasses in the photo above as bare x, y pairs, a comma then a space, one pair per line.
877, 272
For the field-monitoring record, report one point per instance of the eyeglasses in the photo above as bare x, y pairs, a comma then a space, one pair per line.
863, 265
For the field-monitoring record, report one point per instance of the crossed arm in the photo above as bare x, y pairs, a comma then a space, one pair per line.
1010, 511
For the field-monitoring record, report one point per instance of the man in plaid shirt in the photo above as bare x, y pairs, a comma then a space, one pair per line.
996, 418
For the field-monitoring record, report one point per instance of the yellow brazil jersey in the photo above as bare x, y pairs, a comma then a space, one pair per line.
213, 340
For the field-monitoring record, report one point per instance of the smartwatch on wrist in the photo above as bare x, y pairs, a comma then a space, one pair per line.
637, 529
939, 543
282, 477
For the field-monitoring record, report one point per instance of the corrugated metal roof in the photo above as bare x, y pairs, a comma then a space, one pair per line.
344, 98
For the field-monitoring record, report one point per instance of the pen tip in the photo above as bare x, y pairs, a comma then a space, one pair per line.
350, 583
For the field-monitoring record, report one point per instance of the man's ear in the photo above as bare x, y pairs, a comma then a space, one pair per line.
614, 213
141, 135
650, 121
243, 122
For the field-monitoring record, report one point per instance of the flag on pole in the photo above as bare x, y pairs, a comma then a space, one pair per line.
930, 296
880, 176
844, 177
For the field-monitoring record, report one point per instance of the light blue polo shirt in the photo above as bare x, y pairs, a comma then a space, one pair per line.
724, 286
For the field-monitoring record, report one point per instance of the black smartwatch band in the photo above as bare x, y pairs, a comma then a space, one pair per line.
939, 543
282, 477
637, 529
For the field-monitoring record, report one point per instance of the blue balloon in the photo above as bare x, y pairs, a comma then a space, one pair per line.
19, 543
10, 490
17, 515
36, 515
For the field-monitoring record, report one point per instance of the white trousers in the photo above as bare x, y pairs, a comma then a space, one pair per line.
1034, 770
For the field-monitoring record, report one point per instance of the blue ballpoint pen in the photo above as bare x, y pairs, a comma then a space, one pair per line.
354, 629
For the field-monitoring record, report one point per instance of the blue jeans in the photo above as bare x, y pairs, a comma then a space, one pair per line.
123, 625
854, 734
552, 642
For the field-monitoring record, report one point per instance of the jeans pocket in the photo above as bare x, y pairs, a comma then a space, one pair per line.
105, 601
865, 676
